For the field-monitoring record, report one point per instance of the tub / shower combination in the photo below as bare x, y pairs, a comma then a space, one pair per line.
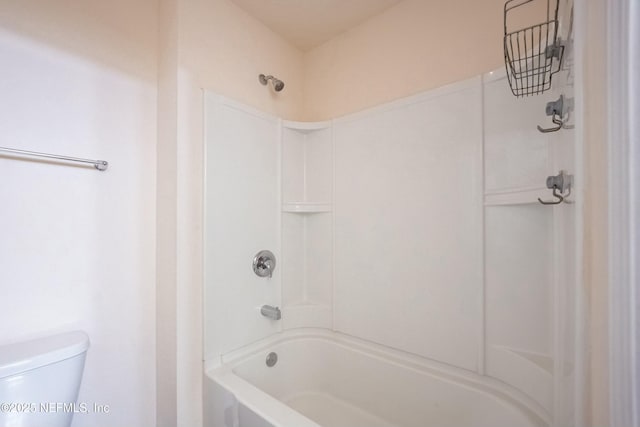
328, 379
401, 307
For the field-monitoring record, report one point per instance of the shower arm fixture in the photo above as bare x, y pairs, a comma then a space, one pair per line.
278, 84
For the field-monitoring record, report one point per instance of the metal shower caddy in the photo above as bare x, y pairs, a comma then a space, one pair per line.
532, 54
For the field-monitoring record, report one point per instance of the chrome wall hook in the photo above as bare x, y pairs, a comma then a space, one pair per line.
559, 198
560, 184
555, 119
555, 109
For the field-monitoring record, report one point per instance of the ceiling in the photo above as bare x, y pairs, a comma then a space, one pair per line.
309, 23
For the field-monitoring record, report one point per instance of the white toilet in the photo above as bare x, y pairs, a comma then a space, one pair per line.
40, 380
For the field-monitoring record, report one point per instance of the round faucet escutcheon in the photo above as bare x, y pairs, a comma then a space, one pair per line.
264, 263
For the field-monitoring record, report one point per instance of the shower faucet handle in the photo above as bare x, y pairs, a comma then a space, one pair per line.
264, 263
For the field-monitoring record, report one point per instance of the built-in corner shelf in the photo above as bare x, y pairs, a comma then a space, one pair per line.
307, 224
305, 126
306, 207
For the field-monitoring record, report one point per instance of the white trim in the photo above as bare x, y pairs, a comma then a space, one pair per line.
473, 82
634, 136
495, 75
524, 197
624, 241
333, 225
305, 126
232, 103
482, 298
279, 216
581, 357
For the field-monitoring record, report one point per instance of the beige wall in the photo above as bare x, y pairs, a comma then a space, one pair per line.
78, 78
166, 215
407, 49
118, 34
210, 44
413, 46
225, 49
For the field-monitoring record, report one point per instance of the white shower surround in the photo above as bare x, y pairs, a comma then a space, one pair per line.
441, 277
496, 336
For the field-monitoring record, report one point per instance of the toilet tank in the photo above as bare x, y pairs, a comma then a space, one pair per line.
40, 380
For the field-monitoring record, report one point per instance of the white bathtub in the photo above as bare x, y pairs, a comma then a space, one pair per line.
328, 379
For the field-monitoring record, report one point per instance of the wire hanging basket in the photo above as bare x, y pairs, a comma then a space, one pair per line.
532, 53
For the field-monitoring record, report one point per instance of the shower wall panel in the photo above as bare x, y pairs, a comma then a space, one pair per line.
408, 225
516, 153
519, 298
242, 217
528, 313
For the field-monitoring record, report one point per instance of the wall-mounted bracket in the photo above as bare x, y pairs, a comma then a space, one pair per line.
555, 50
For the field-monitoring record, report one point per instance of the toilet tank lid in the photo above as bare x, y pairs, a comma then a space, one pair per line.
24, 356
